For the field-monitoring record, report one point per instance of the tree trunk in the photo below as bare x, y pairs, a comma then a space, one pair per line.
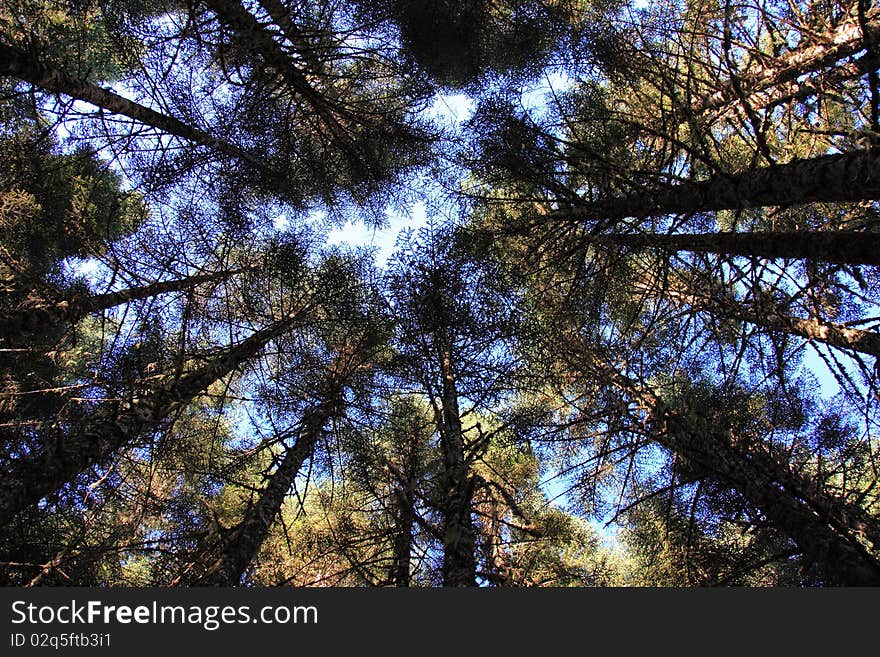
845, 40
836, 335
42, 312
844, 178
335, 116
771, 317
785, 91
459, 565
20, 64
846, 247
826, 529
255, 37
404, 494
498, 569
281, 17
403, 536
241, 544
69, 451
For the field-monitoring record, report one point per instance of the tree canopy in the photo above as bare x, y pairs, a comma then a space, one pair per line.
634, 338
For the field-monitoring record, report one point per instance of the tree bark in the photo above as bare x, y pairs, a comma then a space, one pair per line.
241, 544
836, 335
255, 37
23, 66
281, 17
459, 565
826, 529
845, 247
336, 117
771, 317
43, 312
844, 178
403, 536
68, 451
784, 91
845, 40
404, 496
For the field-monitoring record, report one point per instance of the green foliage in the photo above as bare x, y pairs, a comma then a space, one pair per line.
55, 206
458, 42
538, 362
83, 38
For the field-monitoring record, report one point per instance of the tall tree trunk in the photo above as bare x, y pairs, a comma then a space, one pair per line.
498, 569
836, 335
845, 40
42, 312
844, 178
459, 563
785, 91
403, 535
847, 247
826, 529
22, 65
281, 17
240, 545
404, 498
335, 115
255, 37
771, 317
68, 451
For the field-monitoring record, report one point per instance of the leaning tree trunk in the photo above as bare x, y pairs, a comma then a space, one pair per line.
241, 544
459, 563
68, 451
792, 90
20, 64
826, 529
845, 40
335, 116
255, 37
830, 333
771, 317
846, 247
281, 17
35, 314
844, 178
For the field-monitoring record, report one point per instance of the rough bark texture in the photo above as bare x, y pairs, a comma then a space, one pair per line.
240, 545
20, 64
827, 530
498, 567
68, 451
845, 40
40, 313
848, 177
847, 247
459, 566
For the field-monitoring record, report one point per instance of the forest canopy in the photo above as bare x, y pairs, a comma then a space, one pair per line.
628, 333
